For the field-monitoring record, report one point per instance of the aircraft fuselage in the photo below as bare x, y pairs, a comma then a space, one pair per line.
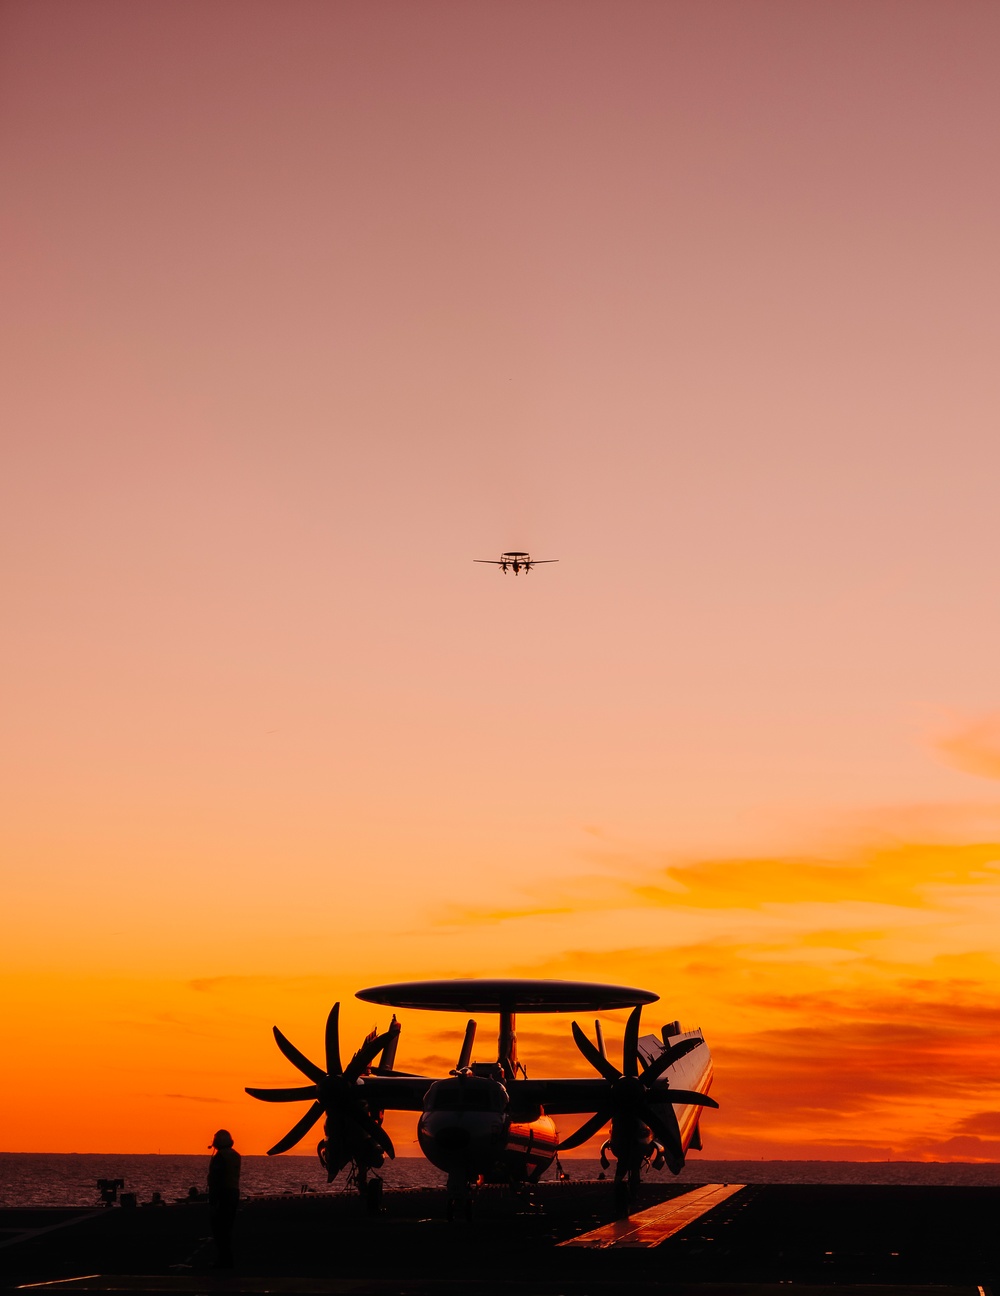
467, 1130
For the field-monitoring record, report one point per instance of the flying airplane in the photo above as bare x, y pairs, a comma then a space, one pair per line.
488, 1121
517, 559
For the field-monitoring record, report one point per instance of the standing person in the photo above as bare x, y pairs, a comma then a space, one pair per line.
224, 1195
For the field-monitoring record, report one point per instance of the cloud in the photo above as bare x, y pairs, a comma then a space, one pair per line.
897, 875
460, 915
958, 1148
197, 1098
584, 893
974, 747
161, 1023
901, 875
209, 985
984, 1122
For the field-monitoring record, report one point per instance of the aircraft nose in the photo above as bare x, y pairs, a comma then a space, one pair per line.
453, 1138
469, 1142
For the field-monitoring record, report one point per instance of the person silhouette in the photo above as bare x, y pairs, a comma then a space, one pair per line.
223, 1195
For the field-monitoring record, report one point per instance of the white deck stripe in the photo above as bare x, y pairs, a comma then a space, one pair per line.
55, 1282
651, 1227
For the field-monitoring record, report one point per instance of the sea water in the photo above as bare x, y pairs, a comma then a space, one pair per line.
61, 1179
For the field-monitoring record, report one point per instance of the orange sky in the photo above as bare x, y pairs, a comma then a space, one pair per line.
309, 305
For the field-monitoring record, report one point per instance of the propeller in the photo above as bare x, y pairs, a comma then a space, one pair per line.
352, 1132
632, 1100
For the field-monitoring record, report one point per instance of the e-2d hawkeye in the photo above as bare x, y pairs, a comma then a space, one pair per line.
489, 1122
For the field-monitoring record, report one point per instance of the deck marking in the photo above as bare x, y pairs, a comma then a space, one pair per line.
55, 1282
24, 1235
651, 1227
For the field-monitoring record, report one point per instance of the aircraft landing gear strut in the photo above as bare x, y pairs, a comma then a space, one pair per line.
461, 1195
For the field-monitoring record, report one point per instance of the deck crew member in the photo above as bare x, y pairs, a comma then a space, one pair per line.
224, 1195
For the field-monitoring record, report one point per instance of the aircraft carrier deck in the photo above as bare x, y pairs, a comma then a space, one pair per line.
713, 1240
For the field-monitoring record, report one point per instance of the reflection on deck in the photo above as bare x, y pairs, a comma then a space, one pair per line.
651, 1227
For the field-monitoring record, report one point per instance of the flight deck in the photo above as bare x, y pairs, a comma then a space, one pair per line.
682, 1240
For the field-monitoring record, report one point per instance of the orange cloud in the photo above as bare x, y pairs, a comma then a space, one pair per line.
985, 1122
896, 875
196, 1098
975, 747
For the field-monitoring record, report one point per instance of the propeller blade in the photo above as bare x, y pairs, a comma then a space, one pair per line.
666, 1130
388, 1059
667, 1059
299, 1130
283, 1095
600, 1064
681, 1098
365, 1055
298, 1059
600, 1038
630, 1047
587, 1130
372, 1127
333, 1066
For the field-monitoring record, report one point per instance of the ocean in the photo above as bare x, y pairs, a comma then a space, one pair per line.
70, 1179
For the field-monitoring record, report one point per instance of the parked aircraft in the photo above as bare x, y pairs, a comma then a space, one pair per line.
516, 558
489, 1121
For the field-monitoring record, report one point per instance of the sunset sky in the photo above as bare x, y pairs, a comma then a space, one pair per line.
309, 304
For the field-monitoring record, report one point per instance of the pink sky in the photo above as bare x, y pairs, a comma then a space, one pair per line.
310, 304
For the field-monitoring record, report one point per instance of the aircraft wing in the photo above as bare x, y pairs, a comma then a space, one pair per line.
395, 1093
492, 561
571, 1097
558, 1097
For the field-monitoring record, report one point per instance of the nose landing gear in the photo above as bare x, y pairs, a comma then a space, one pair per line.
462, 1195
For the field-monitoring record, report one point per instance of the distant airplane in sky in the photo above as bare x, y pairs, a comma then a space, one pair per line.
515, 558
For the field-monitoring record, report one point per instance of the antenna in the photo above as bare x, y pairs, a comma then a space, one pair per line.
465, 1057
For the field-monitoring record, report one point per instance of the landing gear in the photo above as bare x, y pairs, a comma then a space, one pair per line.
461, 1196
461, 1208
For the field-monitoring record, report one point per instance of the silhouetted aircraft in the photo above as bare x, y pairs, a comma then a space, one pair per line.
517, 559
488, 1121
